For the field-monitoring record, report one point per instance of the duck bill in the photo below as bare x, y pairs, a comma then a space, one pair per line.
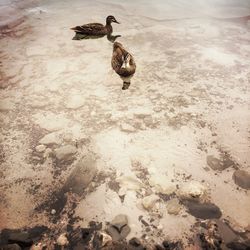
116, 22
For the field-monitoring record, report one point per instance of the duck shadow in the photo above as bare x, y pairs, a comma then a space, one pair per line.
80, 36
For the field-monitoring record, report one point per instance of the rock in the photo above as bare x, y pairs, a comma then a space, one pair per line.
100, 240
11, 247
116, 235
129, 183
242, 178
37, 246
22, 238
191, 190
214, 163
210, 238
127, 128
149, 122
40, 148
118, 228
62, 240
172, 245
236, 245
203, 210
148, 202
47, 152
86, 235
174, 206
226, 233
82, 175
217, 164
51, 121
162, 185
65, 152
105, 238
51, 138
53, 211
135, 244
6, 104
119, 221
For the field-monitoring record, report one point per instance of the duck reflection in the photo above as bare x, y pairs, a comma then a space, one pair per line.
80, 36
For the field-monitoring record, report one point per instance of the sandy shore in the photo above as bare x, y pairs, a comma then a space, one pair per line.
179, 133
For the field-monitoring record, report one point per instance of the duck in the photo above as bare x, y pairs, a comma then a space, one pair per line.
96, 29
123, 64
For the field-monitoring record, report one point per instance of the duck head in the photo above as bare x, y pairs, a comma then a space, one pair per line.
111, 19
117, 45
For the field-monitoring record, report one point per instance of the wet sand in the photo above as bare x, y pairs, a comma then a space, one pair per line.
180, 132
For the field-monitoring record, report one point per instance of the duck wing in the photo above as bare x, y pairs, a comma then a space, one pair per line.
91, 28
118, 58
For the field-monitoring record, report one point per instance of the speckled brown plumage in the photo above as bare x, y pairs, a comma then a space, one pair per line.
123, 64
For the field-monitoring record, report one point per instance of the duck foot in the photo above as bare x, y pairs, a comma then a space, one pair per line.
125, 85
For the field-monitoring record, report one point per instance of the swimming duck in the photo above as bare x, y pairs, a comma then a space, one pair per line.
123, 64
96, 29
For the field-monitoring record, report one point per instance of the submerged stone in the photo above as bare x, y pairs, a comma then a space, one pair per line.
120, 221
174, 206
118, 228
148, 202
82, 175
242, 178
65, 152
217, 164
203, 210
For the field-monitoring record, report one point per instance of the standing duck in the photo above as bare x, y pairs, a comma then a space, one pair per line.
123, 64
96, 29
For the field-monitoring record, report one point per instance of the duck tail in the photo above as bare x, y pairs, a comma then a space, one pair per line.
125, 85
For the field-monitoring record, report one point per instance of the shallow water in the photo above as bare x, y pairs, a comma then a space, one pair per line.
188, 99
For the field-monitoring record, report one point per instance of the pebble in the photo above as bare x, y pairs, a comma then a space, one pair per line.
51, 138
62, 240
65, 152
47, 152
40, 148
105, 238
242, 178
127, 128
37, 246
191, 190
148, 202
174, 206
53, 211
162, 185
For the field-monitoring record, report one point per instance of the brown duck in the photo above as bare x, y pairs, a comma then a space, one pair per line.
96, 29
123, 64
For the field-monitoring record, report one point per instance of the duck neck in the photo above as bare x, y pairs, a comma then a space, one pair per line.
109, 27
